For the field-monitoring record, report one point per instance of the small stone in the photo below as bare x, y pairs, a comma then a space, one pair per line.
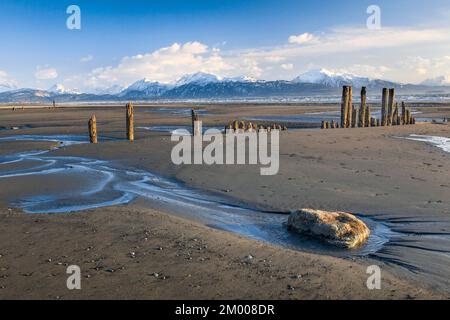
110, 270
289, 287
248, 259
156, 275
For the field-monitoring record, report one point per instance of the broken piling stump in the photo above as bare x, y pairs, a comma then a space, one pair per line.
384, 107
368, 117
354, 117
391, 106
350, 107
196, 130
92, 129
344, 106
403, 113
362, 108
130, 121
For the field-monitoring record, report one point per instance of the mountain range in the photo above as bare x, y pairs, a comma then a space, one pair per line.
208, 86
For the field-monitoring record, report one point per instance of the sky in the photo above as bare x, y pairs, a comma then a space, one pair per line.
120, 42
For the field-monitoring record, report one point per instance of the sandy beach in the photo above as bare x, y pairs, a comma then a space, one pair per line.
150, 248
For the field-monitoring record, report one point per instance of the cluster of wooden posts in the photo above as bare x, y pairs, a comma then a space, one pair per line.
237, 125
352, 117
92, 124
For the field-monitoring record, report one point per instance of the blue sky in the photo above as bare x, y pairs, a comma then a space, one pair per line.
123, 41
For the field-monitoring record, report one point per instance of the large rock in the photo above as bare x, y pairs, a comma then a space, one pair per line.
337, 228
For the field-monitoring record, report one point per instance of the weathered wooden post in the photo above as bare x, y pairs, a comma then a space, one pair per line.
242, 125
384, 106
368, 116
408, 116
344, 106
395, 115
93, 129
333, 124
362, 109
403, 113
354, 117
378, 123
130, 121
196, 127
350, 107
391, 106
236, 125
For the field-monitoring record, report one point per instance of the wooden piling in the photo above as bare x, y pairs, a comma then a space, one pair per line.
196, 128
391, 106
93, 129
344, 106
236, 125
403, 113
350, 107
354, 117
333, 124
384, 106
362, 109
130, 121
368, 117
395, 115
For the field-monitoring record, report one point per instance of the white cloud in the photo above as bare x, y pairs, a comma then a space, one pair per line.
287, 66
6, 83
381, 54
170, 63
87, 58
45, 73
427, 67
302, 38
364, 70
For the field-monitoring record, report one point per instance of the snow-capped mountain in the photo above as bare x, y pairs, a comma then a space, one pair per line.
208, 86
60, 89
438, 81
145, 87
115, 89
240, 79
199, 78
331, 79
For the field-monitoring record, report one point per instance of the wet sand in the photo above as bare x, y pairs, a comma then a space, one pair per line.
371, 172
